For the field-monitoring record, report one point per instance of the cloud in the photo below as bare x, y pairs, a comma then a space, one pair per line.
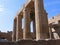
1, 8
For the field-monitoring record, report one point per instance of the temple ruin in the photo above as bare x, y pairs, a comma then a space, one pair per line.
34, 11
54, 27
45, 31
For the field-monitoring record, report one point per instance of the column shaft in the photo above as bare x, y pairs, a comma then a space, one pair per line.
34, 29
14, 31
41, 31
26, 31
19, 28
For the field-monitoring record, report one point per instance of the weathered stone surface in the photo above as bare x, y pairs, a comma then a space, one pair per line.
19, 33
42, 42
14, 30
41, 20
26, 30
7, 43
51, 42
7, 36
32, 42
58, 42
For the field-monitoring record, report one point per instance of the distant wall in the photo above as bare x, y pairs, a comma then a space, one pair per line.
4, 35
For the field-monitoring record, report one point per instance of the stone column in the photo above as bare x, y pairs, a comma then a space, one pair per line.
41, 31
14, 31
50, 32
34, 29
55, 34
19, 28
26, 31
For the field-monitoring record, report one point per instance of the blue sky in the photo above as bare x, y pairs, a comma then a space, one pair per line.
9, 8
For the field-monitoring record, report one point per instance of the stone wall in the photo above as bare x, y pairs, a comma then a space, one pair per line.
32, 42
7, 43
6, 35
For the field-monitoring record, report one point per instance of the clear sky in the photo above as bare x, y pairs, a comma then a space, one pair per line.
9, 8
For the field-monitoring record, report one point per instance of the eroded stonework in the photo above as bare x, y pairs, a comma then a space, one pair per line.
44, 30
54, 24
6, 36
32, 11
